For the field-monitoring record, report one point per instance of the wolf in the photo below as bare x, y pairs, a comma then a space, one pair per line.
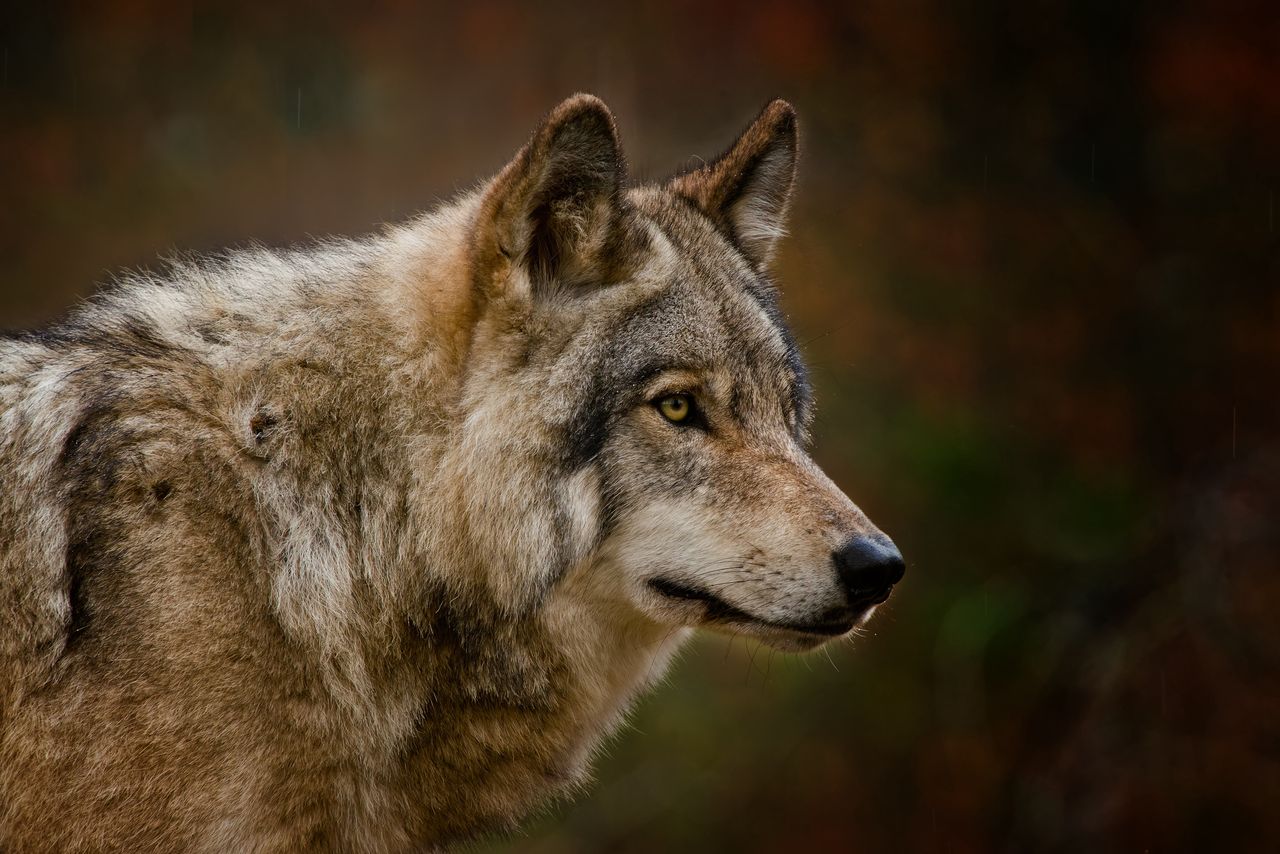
366, 546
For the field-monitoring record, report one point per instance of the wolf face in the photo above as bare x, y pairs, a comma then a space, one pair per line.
631, 344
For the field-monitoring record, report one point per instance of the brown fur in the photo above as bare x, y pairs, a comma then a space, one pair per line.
359, 547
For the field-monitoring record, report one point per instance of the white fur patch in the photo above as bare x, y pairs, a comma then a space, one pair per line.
759, 214
580, 494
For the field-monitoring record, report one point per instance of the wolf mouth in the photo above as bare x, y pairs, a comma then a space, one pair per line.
720, 611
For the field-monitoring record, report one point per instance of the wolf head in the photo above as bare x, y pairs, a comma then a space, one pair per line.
633, 407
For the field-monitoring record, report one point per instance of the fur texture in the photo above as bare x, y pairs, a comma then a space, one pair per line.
367, 546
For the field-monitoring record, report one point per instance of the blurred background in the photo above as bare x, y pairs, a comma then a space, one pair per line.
1035, 264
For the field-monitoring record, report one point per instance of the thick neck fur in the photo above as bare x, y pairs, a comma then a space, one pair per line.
433, 684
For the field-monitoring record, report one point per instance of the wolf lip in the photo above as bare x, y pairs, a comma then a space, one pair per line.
720, 611
865, 599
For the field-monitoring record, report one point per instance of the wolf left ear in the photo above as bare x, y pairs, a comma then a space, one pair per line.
748, 188
555, 213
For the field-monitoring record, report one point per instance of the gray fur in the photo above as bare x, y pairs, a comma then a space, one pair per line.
361, 546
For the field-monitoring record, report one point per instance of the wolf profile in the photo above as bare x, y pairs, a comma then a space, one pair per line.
367, 546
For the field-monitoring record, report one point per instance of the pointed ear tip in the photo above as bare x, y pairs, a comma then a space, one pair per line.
582, 108
780, 107
780, 115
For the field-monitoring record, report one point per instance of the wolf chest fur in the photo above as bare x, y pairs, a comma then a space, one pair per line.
367, 546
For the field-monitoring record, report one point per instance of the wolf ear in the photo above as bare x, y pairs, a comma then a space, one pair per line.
556, 212
748, 188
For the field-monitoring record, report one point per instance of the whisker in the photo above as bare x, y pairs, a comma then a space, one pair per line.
827, 651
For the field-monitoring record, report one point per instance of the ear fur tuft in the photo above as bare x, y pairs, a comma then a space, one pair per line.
556, 212
747, 189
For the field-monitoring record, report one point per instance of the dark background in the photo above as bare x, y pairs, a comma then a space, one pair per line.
1034, 264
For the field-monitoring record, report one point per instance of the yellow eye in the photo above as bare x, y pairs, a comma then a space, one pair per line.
675, 407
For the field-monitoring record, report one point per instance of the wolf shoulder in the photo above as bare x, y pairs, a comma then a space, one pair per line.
135, 434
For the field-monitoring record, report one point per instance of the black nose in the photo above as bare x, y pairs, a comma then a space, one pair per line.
868, 569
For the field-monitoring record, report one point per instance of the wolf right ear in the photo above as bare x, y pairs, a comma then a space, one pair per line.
748, 188
555, 214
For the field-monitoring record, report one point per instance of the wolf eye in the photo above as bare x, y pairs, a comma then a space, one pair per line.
676, 408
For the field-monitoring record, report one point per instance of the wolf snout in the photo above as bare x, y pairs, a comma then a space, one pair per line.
868, 568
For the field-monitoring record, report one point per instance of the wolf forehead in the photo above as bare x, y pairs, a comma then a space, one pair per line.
697, 306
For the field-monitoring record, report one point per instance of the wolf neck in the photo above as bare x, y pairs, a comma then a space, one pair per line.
482, 714
511, 712
424, 284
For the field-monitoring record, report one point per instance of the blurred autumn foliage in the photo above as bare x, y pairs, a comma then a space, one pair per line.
1035, 264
